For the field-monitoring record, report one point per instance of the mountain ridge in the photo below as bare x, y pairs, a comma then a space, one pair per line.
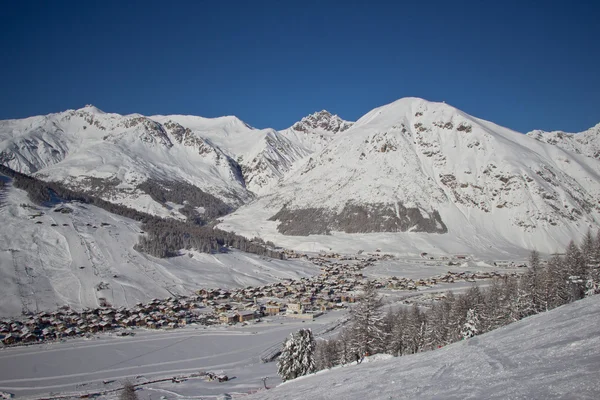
408, 166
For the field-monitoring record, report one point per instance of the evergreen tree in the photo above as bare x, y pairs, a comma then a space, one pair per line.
470, 327
297, 355
576, 268
368, 334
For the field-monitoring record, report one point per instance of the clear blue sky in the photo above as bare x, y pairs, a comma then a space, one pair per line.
524, 66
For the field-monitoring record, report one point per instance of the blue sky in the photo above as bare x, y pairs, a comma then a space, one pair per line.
516, 63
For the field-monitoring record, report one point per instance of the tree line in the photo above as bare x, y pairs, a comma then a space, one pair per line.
407, 330
162, 237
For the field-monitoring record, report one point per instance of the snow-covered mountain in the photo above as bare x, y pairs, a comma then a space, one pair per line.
553, 355
419, 166
315, 131
586, 142
410, 166
110, 155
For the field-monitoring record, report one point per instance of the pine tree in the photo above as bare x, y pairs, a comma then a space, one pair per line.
575, 265
470, 327
367, 332
297, 355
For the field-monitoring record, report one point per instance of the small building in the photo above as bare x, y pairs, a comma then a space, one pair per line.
272, 309
294, 308
10, 339
246, 315
227, 318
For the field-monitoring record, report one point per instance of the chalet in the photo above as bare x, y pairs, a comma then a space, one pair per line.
28, 338
272, 309
294, 308
227, 318
246, 315
104, 325
10, 339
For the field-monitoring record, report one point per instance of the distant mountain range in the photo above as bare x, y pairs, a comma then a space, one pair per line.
409, 166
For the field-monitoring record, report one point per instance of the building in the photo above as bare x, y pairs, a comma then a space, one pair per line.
272, 309
245, 315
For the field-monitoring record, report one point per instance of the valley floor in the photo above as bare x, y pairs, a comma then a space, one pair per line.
81, 365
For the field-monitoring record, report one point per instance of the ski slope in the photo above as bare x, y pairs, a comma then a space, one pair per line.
551, 355
43, 266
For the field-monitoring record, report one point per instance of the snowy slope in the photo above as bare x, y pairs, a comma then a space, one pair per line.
551, 355
266, 156
49, 259
110, 155
417, 166
586, 142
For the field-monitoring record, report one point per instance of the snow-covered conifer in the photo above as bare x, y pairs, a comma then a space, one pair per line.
470, 327
367, 332
297, 355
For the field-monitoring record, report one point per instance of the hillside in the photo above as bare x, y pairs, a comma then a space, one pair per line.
80, 255
415, 166
550, 355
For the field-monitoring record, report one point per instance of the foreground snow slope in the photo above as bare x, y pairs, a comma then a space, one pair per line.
58, 258
421, 167
551, 355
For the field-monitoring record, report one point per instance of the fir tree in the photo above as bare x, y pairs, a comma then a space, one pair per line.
368, 334
297, 356
470, 327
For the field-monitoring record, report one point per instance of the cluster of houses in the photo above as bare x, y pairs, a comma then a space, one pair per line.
66, 322
400, 283
335, 287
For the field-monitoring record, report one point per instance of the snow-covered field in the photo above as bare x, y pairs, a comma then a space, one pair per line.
81, 366
43, 266
550, 355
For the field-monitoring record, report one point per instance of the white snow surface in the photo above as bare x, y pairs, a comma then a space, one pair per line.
43, 267
493, 187
551, 355
586, 142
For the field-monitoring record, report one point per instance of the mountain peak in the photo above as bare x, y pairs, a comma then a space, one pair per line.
322, 120
92, 109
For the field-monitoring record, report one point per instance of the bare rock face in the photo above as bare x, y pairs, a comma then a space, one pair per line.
358, 218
